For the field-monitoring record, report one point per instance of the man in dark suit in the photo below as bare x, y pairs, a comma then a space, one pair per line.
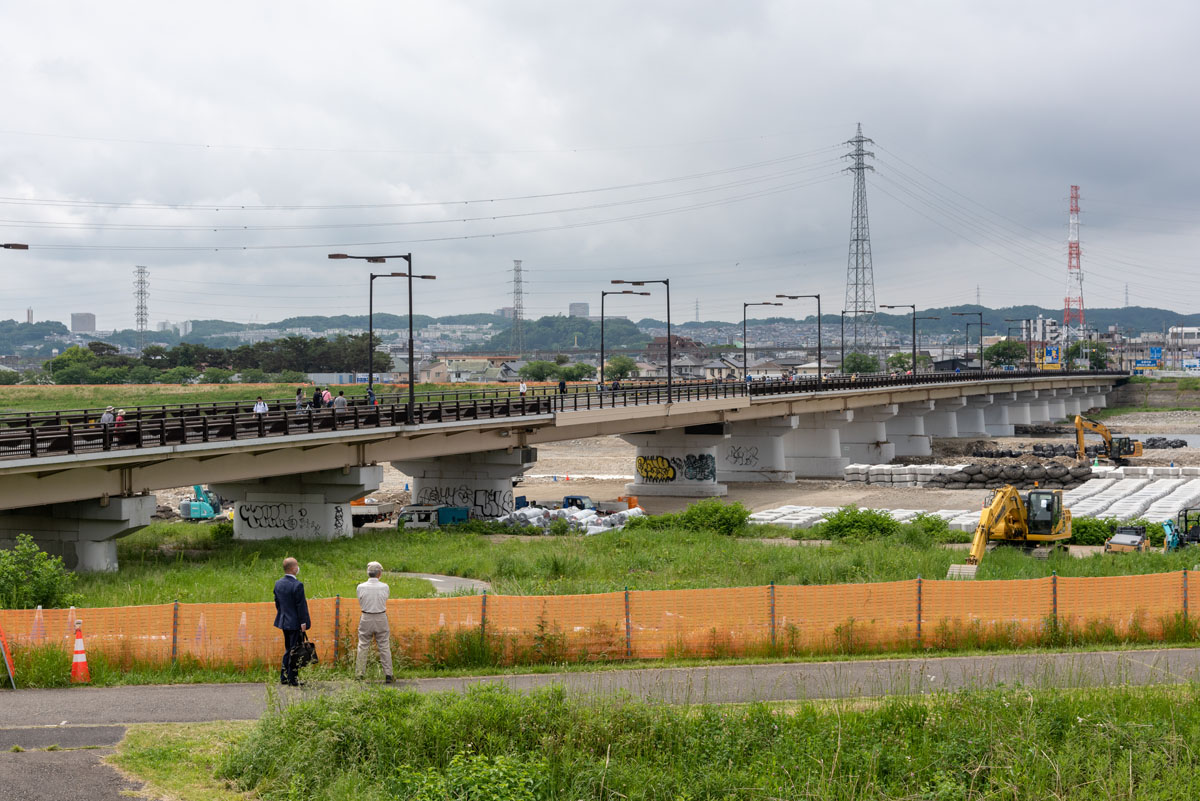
291, 615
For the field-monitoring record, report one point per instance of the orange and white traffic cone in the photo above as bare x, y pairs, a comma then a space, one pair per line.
79, 667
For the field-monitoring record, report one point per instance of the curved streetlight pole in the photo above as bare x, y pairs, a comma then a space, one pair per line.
745, 340
980, 316
603, 294
818, 297
670, 353
409, 413
912, 306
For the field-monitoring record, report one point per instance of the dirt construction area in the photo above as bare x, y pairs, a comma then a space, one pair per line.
601, 467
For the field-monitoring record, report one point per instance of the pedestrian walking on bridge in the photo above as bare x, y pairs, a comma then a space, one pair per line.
373, 625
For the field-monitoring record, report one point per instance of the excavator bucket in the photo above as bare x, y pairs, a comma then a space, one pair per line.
965, 572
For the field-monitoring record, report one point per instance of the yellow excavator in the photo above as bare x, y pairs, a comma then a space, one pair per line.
1115, 448
1038, 522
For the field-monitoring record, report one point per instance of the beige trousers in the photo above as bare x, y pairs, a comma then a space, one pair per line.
373, 627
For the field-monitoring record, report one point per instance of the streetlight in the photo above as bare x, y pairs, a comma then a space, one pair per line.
818, 297
912, 306
1028, 337
412, 388
980, 316
844, 313
930, 355
603, 294
670, 352
745, 343
14, 246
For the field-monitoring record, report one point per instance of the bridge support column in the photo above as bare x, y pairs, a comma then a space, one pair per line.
304, 506
1039, 408
482, 482
83, 533
865, 438
681, 462
943, 420
754, 451
996, 420
970, 417
906, 431
1018, 410
1073, 402
1100, 399
1056, 406
814, 449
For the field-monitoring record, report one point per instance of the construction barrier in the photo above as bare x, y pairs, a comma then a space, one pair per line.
841, 618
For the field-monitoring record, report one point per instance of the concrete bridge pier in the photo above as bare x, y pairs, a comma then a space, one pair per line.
906, 431
996, 420
1073, 402
1039, 407
1056, 406
680, 462
1098, 397
482, 482
83, 533
754, 451
303, 506
1018, 410
943, 420
970, 416
865, 438
814, 449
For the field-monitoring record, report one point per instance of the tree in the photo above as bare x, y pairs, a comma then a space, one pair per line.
9, 376
860, 363
539, 371
1096, 353
1006, 352
253, 375
217, 375
619, 368
576, 372
903, 360
177, 375
562, 359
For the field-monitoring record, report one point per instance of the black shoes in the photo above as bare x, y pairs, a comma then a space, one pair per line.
389, 680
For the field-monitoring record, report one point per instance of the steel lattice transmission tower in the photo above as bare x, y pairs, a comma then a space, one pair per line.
860, 275
1072, 327
518, 328
141, 291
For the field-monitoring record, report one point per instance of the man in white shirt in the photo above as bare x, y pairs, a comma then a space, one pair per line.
522, 389
260, 406
373, 625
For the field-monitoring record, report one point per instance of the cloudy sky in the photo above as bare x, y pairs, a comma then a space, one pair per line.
230, 146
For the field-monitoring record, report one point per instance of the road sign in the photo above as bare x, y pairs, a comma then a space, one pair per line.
1156, 353
1150, 363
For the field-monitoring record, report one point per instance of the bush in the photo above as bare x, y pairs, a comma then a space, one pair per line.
862, 524
31, 577
707, 515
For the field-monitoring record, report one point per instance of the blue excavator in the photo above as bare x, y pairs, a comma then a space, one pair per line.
203, 505
1184, 530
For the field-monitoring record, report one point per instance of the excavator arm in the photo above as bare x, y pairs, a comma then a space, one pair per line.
1005, 513
1083, 424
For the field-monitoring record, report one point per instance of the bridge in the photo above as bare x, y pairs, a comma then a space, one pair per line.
76, 485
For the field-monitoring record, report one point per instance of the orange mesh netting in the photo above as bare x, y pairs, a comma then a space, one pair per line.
548, 628
423, 627
846, 617
698, 622
1126, 603
958, 613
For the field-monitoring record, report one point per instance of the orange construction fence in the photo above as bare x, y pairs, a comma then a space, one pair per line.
839, 618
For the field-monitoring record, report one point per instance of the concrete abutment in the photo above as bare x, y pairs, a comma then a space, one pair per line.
482, 482
83, 533
307, 506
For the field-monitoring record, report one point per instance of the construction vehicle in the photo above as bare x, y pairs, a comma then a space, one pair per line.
1115, 449
203, 505
1038, 523
370, 510
1127, 539
432, 515
1184, 530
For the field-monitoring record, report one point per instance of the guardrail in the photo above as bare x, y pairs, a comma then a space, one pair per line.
68, 433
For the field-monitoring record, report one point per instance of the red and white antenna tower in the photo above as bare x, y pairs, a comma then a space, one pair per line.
1073, 303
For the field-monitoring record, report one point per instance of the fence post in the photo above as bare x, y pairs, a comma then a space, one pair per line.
772, 597
628, 629
919, 599
337, 625
1054, 595
483, 618
175, 633
1185, 594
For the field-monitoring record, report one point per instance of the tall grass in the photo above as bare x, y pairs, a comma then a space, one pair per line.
490, 742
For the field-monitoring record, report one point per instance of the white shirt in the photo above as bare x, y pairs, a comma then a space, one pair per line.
372, 596
522, 387
260, 407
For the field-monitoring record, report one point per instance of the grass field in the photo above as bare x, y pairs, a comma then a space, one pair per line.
1017, 743
169, 562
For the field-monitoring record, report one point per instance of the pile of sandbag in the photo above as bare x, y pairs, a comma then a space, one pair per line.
587, 521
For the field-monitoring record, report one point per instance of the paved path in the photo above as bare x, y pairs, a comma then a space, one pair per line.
446, 585
75, 771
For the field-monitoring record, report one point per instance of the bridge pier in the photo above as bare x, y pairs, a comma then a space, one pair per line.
83, 533
1018, 410
1073, 402
1039, 408
1056, 407
754, 451
906, 431
943, 420
303, 506
482, 482
814, 448
865, 437
996, 420
678, 462
1099, 397
970, 417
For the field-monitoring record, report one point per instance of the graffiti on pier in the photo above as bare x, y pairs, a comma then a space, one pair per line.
700, 467
481, 502
742, 456
450, 496
285, 517
492, 503
655, 469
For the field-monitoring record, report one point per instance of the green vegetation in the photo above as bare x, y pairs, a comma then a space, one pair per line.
619, 368
178, 760
553, 371
860, 363
1006, 352
490, 742
903, 361
560, 333
30, 577
1095, 352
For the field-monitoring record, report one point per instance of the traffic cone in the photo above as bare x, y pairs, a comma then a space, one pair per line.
79, 666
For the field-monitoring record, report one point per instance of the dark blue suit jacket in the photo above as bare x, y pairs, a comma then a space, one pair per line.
291, 608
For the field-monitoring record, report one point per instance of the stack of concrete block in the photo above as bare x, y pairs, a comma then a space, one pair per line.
856, 472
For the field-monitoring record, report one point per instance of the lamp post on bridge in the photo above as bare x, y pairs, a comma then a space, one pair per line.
603, 294
409, 417
842, 367
745, 342
912, 306
818, 297
670, 352
980, 316
914, 335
